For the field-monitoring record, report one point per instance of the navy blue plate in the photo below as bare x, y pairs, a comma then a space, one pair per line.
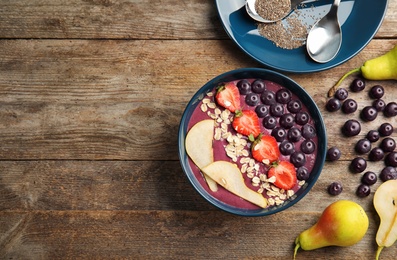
360, 21
258, 74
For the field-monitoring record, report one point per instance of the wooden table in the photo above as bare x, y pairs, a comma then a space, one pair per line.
91, 94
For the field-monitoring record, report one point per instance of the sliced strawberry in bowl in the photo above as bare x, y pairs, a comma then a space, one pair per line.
265, 149
228, 96
246, 122
285, 174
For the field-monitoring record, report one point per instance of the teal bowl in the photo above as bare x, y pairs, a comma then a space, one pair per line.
302, 95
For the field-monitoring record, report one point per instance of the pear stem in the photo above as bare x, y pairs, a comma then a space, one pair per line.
297, 246
378, 252
332, 91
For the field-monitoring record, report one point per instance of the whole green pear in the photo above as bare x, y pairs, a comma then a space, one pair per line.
342, 223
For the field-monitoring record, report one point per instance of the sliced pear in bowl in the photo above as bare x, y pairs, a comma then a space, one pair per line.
198, 145
229, 176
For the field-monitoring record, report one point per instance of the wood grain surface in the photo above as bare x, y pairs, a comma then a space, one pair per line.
91, 94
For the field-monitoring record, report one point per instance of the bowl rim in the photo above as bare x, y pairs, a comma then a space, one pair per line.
284, 81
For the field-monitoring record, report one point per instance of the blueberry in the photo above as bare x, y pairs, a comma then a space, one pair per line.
308, 131
385, 129
262, 111
379, 105
286, 148
279, 133
373, 136
376, 154
351, 127
358, 165
258, 86
301, 118
308, 146
287, 121
369, 113
388, 173
333, 104
269, 122
268, 97
363, 146
298, 159
388, 144
252, 99
349, 106
357, 85
294, 134
244, 86
376, 92
302, 173
283, 96
369, 178
341, 94
294, 106
363, 190
333, 154
277, 110
390, 109
335, 188
391, 159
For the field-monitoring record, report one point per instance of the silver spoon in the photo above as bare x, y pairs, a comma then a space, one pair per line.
325, 37
251, 10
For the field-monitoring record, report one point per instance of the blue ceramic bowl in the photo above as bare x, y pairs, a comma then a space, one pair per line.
284, 81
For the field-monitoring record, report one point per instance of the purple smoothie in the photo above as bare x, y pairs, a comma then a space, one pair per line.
220, 152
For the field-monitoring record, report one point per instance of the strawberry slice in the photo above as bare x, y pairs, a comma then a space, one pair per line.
246, 122
228, 96
265, 149
285, 174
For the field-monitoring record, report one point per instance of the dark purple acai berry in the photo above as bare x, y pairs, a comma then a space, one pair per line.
369, 113
258, 86
363, 190
391, 159
287, 120
244, 87
261, 111
341, 94
283, 96
369, 178
379, 104
308, 131
351, 127
335, 188
298, 159
373, 136
286, 148
301, 118
277, 110
376, 92
269, 122
302, 173
390, 109
333, 154
268, 97
279, 133
294, 106
294, 134
333, 104
357, 85
363, 146
308, 146
388, 144
252, 99
358, 165
376, 154
388, 173
349, 106
385, 129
